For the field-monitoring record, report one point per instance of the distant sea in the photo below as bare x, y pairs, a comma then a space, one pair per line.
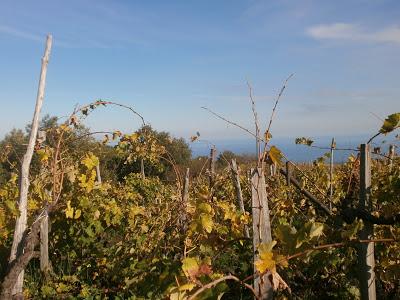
297, 153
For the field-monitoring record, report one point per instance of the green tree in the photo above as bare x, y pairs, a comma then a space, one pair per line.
177, 153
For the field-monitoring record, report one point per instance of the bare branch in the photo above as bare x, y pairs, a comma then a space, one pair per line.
267, 133
231, 122
219, 280
320, 247
257, 125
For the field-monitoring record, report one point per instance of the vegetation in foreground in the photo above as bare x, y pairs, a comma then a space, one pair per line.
129, 236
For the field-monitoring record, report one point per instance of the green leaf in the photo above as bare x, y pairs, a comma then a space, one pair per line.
266, 247
206, 222
205, 208
391, 123
11, 205
316, 230
351, 230
85, 111
286, 235
190, 266
304, 141
187, 287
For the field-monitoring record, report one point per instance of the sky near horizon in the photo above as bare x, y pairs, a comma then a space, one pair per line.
167, 59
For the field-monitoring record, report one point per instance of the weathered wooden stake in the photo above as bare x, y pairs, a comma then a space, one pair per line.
185, 199
333, 145
21, 222
239, 195
98, 173
288, 173
391, 156
44, 243
261, 228
142, 168
366, 258
185, 196
213, 158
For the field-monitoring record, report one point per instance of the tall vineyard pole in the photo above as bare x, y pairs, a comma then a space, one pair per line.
21, 223
366, 259
261, 228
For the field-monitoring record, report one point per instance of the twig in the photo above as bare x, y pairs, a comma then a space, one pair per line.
219, 280
272, 115
232, 123
307, 193
373, 137
257, 125
329, 148
321, 247
305, 176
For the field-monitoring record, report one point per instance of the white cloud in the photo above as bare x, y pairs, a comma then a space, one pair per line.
21, 34
86, 43
352, 32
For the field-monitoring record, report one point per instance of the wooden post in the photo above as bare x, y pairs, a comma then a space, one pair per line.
142, 168
391, 156
213, 157
21, 222
98, 173
185, 196
366, 259
44, 243
288, 173
185, 199
239, 195
273, 168
44, 240
261, 228
333, 146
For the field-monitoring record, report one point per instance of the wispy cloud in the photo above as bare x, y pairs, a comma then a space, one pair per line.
354, 32
88, 43
21, 34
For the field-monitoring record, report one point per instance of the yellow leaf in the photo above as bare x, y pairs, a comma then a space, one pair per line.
71, 173
105, 139
187, 287
267, 136
276, 155
266, 257
265, 262
90, 161
116, 134
78, 213
316, 230
69, 211
43, 154
207, 222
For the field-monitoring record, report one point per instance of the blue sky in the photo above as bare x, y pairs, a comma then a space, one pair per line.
168, 58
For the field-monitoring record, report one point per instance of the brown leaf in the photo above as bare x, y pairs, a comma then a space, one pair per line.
278, 283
